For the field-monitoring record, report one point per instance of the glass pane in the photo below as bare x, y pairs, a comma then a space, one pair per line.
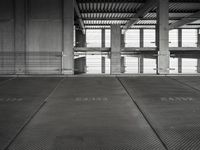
131, 64
149, 65
189, 38
93, 64
174, 65
189, 65
93, 38
132, 38
106, 64
149, 38
107, 38
173, 38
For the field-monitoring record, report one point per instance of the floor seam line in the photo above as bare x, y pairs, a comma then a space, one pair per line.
144, 116
4, 82
31, 117
185, 84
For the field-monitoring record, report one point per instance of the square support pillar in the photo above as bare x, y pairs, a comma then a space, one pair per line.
179, 45
198, 65
68, 25
141, 64
103, 65
141, 38
122, 40
179, 37
115, 49
20, 36
179, 65
103, 38
198, 38
123, 69
198, 45
163, 37
80, 39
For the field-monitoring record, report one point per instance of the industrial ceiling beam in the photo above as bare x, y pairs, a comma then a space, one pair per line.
79, 17
140, 14
133, 1
125, 19
184, 21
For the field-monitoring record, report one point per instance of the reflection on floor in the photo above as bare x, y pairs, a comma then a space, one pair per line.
132, 63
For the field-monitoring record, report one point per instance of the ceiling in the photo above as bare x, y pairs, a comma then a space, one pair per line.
103, 13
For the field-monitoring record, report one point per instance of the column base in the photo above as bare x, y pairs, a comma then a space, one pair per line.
163, 63
67, 71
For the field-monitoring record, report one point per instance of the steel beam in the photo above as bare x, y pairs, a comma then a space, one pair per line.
81, 23
184, 21
140, 14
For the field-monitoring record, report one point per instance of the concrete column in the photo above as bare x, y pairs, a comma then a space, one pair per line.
103, 64
115, 49
68, 25
179, 37
122, 40
20, 36
198, 65
198, 45
141, 64
163, 37
198, 35
179, 65
103, 38
141, 58
123, 65
141, 37
80, 39
179, 45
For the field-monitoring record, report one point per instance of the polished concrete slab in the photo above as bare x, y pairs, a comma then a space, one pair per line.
171, 107
19, 99
88, 114
191, 81
4, 80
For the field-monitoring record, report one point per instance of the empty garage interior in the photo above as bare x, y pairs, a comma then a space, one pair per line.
99, 74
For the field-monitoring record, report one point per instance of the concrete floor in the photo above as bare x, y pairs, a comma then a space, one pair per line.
94, 113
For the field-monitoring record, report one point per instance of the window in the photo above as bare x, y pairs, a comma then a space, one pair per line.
132, 38
173, 38
189, 65
149, 65
189, 38
93, 38
93, 64
107, 37
173, 65
149, 38
131, 64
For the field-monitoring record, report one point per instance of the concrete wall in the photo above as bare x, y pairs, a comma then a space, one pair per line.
6, 37
44, 34
31, 36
